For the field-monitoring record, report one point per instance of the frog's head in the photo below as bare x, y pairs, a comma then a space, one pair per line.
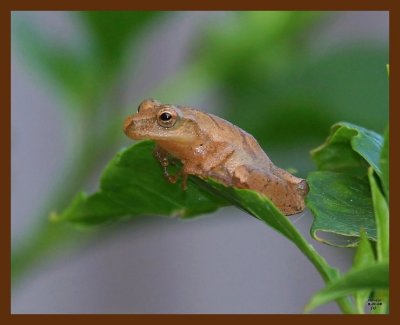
160, 122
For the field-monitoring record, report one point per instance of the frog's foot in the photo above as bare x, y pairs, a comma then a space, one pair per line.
174, 178
171, 178
164, 160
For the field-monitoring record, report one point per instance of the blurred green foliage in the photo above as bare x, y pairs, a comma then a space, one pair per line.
111, 32
84, 74
86, 78
271, 81
374, 276
287, 95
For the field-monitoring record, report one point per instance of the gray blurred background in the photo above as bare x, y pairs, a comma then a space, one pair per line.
226, 262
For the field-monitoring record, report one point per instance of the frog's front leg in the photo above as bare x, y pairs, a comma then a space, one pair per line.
163, 158
212, 164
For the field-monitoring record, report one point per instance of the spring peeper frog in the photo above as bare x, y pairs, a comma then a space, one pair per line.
209, 146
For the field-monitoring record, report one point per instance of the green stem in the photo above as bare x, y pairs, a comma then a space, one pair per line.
44, 238
325, 270
254, 204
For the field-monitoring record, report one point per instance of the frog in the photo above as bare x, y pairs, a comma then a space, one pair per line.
211, 147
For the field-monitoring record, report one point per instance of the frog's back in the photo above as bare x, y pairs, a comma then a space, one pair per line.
251, 168
220, 130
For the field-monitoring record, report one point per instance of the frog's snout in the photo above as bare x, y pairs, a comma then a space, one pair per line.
127, 124
135, 127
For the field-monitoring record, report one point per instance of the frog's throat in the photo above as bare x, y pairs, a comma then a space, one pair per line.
171, 140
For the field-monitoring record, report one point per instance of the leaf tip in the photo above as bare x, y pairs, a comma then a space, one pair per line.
179, 213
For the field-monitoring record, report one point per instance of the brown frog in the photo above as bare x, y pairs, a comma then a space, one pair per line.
209, 146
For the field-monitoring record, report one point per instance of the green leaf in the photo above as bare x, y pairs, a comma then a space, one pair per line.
381, 217
342, 205
371, 277
384, 163
340, 195
364, 256
132, 185
349, 149
91, 210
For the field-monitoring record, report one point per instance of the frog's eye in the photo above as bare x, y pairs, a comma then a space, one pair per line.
167, 118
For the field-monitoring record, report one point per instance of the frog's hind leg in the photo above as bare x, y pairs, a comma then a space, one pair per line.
287, 196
